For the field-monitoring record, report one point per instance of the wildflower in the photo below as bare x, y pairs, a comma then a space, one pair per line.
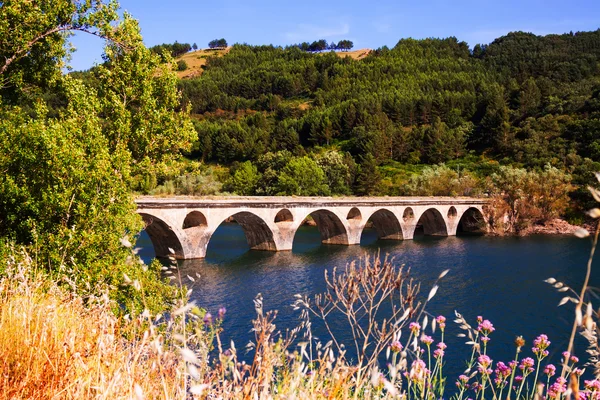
540, 344
574, 359
512, 364
502, 372
578, 371
414, 328
441, 320
566, 355
439, 353
484, 360
428, 340
441, 346
222, 312
593, 385
518, 379
418, 372
550, 370
557, 388
502, 369
479, 319
527, 365
207, 318
484, 363
486, 327
519, 342
396, 346
485, 339
463, 378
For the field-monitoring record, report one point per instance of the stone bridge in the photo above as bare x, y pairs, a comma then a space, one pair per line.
186, 224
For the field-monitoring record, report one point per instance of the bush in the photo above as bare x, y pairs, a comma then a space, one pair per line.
181, 65
440, 180
527, 197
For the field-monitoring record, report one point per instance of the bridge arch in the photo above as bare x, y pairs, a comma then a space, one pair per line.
432, 223
408, 214
331, 227
194, 219
354, 215
472, 222
163, 237
258, 233
386, 225
284, 215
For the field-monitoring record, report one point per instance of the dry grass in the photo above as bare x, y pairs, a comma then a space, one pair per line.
355, 54
196, 60
52, 346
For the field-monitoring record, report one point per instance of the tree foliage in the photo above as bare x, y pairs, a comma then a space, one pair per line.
65, 182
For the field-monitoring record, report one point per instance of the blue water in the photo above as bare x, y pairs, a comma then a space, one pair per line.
499, 278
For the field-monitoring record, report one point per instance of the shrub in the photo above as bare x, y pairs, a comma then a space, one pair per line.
181, 65
441, 180
527, 197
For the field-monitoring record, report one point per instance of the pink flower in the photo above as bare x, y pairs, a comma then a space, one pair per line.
418, 371
484, 360
574, 359
439, 353
426, 339
396, 346
550, 370
442, 346
592, 385
486, 327
557, 388
526, 363
502, 370
441, 320
414, 327
485, 339
540, 344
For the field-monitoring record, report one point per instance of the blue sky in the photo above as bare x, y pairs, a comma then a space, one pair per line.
370, 24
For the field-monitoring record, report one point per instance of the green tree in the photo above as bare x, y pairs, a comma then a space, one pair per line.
302, 176
244, 180
337, 171
367, 177
64, 187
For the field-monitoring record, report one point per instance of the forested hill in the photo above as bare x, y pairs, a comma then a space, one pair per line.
523, 100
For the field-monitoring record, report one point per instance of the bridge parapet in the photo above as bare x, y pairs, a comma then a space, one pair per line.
186, 224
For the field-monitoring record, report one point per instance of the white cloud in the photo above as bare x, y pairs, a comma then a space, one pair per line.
305, 32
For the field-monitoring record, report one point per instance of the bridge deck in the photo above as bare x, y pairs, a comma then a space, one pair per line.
289, 201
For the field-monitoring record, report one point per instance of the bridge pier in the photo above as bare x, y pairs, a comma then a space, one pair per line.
182, 227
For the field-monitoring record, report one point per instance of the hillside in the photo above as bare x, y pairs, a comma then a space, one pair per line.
196, 60
523, 101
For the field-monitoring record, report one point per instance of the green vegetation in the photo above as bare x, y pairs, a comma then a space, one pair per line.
422, 102
175, 49
71, 151
217, 44
181, 65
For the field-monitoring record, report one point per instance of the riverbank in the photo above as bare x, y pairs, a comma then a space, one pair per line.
553, 227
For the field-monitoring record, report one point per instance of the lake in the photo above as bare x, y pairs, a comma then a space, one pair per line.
499, 278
